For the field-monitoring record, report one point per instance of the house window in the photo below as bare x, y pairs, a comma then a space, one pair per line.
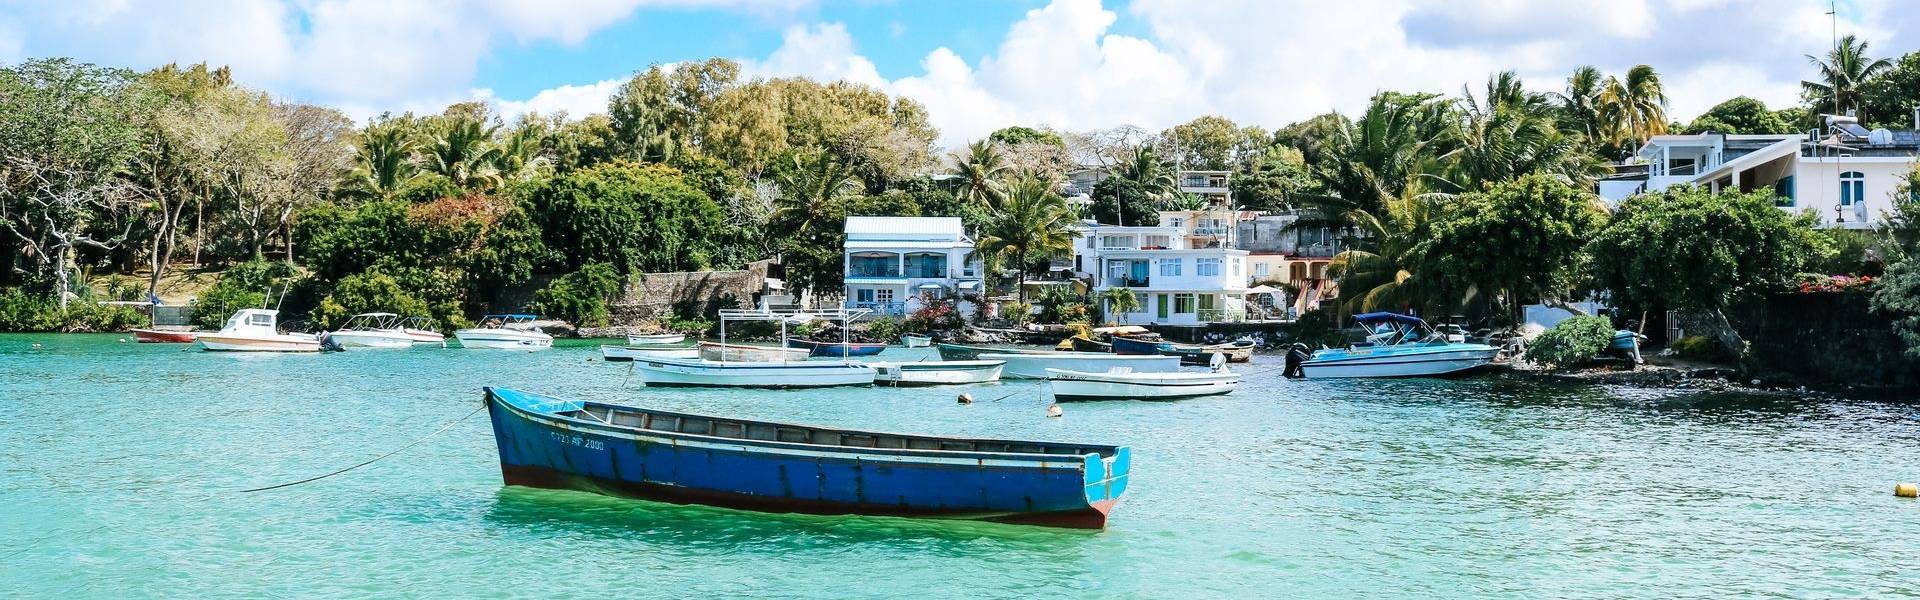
883, 296
1853, 186
1783, 191
926, 265
1116, 241
1170, 267
874, 264
1260, 269
261, 320
1208, 301
1236, 267
1140, 300
1183, 303
1157, 241
1160, 302
1177, 222
863, 295
1206, 267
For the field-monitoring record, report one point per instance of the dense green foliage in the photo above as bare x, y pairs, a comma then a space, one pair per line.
1522, 240
1122, 201
253, 284
367, 292
1571, 342
581, 297
23, 311
636, 218
1739, 116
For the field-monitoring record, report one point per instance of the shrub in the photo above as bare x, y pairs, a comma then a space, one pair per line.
883, 328
580, 297
692, 325
939, 314
1699, 347
367, 292
1573, 341
23, 311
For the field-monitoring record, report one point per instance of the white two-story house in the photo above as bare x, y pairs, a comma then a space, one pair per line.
1174, 283
894, 263
1847, 175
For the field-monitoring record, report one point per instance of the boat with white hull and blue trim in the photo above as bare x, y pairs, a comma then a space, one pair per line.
735, 365
1398, 346
549, 442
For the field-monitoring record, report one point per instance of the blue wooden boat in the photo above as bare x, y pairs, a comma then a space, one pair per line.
550, 442
836, 349
1127, 345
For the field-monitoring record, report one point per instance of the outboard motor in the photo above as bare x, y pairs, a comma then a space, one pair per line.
328, 344
1295, 355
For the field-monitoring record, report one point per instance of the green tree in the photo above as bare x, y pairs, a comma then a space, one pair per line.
809, 218
1633, 108
1888, 98
1380, 273
1844, 73
1273, 180
67, 132
1211, 143
636, 218
364, 293
1739, 116
1509, 133
1118, 301
1690, 250
383, 162
461, 149
1031, 225
1579, 104
1522, 240
1017, 135
980, 171
1123, 201
1399, 141
580, 297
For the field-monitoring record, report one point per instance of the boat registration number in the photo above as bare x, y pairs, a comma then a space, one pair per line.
578, 440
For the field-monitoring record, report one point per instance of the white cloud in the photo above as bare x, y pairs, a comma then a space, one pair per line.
574, 100
823, 52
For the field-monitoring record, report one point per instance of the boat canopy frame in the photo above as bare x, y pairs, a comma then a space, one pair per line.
1393, 329
843, 315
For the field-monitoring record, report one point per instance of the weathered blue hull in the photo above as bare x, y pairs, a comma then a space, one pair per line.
552, 443
1127, 345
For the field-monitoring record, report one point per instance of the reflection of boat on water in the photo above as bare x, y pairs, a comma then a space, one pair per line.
549, 442
1127, 385
938, 372
1034, 366
505, 332
1398, 346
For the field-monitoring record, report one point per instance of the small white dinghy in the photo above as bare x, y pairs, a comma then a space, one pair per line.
629, 353
656, 339
936, 372
1121, 384
915, 340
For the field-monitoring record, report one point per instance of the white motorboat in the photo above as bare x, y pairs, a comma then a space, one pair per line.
422, 331
657, 339
1398, 346
372, 330
505, 332
915, 340
1122, 384
255, 330
717, 351
937, 372
1034, 366
673, 372
628, 353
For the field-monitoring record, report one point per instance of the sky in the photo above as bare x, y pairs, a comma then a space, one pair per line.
977, 65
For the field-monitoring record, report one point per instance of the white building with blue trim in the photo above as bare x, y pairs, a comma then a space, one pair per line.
893, 263
1174, 283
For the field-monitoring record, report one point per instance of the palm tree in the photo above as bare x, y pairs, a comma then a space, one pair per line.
1400, 140
1633, 109
1154, 174
463, 151
1031, 225
1846, 68
383, 164
1580, 103
1186, 201
519, 155
1119, 301
1511, 133
807, 216
1381, 277
980, 170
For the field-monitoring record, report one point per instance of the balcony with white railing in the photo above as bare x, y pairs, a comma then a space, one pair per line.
898, 309
1207, 230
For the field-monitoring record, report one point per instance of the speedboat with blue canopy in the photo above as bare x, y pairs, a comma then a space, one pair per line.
1398, 345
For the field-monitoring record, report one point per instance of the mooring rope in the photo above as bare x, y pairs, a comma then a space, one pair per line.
442, 428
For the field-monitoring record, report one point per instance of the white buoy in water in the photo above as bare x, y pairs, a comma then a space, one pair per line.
1054, 410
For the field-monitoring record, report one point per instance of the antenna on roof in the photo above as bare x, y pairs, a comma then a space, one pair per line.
1833, 16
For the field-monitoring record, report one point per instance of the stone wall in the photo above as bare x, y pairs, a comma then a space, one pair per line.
1832, 338
658, 296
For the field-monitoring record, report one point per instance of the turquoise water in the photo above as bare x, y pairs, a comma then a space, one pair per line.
121, 465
